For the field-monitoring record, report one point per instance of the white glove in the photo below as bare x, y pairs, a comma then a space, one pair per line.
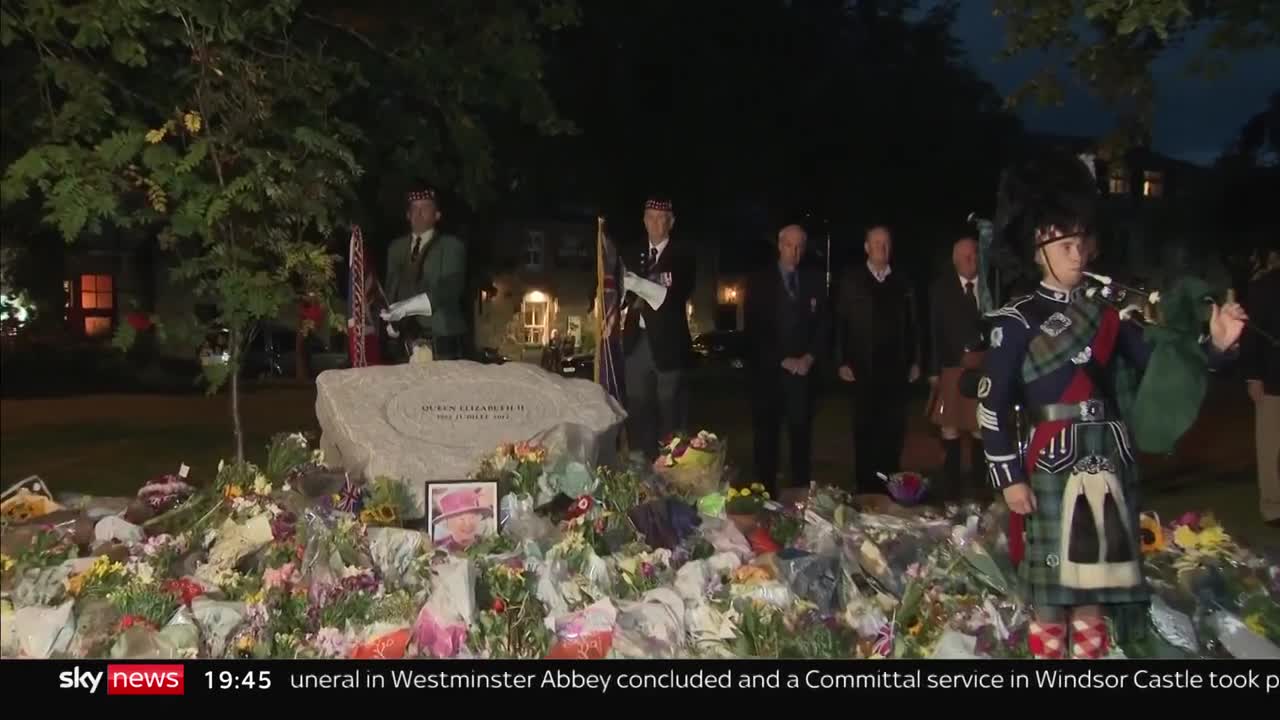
417, 305
648, 290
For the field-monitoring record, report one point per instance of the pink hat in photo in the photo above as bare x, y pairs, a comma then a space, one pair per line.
461, 502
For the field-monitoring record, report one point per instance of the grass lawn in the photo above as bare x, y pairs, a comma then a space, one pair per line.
111, 444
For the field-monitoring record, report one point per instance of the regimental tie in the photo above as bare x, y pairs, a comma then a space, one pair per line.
968, 291
791, 284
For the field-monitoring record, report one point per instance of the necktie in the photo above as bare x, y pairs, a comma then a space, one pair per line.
791, 284
968, 290
653, 256
417, 248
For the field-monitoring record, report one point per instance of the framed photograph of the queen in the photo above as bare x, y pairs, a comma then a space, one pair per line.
461, 513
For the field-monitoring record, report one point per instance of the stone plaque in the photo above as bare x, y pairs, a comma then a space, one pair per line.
436, 421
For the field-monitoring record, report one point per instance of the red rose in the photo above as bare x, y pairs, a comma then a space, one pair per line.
680, 450
499, 606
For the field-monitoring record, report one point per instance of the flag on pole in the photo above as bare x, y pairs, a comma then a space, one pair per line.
609, 273
362, 331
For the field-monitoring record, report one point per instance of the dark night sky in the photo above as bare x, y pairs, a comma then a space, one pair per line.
1195, 118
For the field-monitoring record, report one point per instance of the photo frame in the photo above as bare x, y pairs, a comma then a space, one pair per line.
460, 514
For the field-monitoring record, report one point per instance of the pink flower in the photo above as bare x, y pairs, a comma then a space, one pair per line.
680, 450
698, 443
1190, 519
646, 569
281, 577
435, 639
580, 507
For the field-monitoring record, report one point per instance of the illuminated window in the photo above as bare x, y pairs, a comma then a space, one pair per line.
95, 292
97, 326
1119, 184
97, 304
533, 312
67, 293
1152, 184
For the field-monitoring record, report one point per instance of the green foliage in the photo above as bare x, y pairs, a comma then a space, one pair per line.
1112, 45
285, 453
385, 492
355, 608
148, 602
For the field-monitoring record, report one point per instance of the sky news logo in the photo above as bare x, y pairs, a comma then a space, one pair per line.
127, 680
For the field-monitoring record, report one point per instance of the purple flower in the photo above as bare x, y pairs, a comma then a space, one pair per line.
283, 526
646, 569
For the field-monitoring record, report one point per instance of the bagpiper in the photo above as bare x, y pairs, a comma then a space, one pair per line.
1071, 481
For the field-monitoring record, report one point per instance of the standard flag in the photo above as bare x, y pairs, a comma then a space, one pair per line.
362, 330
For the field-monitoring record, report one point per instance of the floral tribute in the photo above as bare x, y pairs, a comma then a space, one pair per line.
627, 561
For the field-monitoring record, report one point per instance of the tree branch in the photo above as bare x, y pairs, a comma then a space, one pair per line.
353, 33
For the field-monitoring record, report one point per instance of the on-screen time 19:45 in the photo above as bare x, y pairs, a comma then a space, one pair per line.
227, 680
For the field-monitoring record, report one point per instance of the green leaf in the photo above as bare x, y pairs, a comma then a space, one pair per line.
198, 152
118, 149
128, 51
160, 156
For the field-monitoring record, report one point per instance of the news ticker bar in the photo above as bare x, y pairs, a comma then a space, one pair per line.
240, 678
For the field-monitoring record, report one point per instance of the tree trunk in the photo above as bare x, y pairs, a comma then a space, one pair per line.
234, 369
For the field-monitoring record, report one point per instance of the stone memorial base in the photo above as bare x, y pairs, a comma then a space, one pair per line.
436, 421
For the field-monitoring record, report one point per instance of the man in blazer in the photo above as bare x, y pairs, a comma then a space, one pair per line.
430, 262
879, 356
655, 339
787, 320
954, 328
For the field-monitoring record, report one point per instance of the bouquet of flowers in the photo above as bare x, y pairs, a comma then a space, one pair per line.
693, 465
516, 467
906, 488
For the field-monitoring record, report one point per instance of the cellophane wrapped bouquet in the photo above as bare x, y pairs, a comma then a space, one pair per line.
693, 465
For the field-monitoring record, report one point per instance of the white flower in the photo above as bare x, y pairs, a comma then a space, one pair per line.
261, 485
142, 571
351, 571
241, 504
299, 439
274, 510
286, 487
220, 464
317, 457
210, 536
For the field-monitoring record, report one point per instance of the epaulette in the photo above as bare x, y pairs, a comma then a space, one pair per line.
1011, 310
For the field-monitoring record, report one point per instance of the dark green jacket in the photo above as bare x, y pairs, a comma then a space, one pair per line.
441, 273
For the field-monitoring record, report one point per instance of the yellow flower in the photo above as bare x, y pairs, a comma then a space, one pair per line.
245, 643
757, 487
1213, 537
232, 491
1186, 538
914, 630
155, 136
766, 496
261, 485
6, 563
192, 121
255, 598
746, 492
733, 492
1254, 623
75, 584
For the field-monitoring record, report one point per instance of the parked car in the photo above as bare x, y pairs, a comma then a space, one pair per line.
579, 366
721, 348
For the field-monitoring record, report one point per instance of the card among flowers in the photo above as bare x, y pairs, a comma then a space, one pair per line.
461, 513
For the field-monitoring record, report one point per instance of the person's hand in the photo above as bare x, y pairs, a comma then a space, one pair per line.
914, 374
804, 364
789, 364
1255, 390
846, 373
1020, 498
1226, 324
610, 324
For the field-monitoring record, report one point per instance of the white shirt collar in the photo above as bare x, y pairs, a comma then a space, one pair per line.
660, 247
422, 238
879, 275
1056, 295
963, 280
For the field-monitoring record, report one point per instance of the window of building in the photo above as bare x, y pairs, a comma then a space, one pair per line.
1119, 182
97, 303
535, 250
534, 311
67, 294
1152, 184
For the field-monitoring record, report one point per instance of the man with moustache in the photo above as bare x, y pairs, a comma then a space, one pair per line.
787, 319
655, 337
955, 330
879, 356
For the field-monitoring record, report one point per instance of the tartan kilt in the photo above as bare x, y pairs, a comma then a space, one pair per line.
1043, 560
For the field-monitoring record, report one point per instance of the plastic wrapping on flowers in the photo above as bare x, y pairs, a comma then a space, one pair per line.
592, 559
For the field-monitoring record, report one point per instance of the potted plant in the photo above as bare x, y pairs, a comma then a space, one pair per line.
744, 505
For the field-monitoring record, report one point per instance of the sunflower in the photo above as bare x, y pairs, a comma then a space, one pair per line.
1152, 533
